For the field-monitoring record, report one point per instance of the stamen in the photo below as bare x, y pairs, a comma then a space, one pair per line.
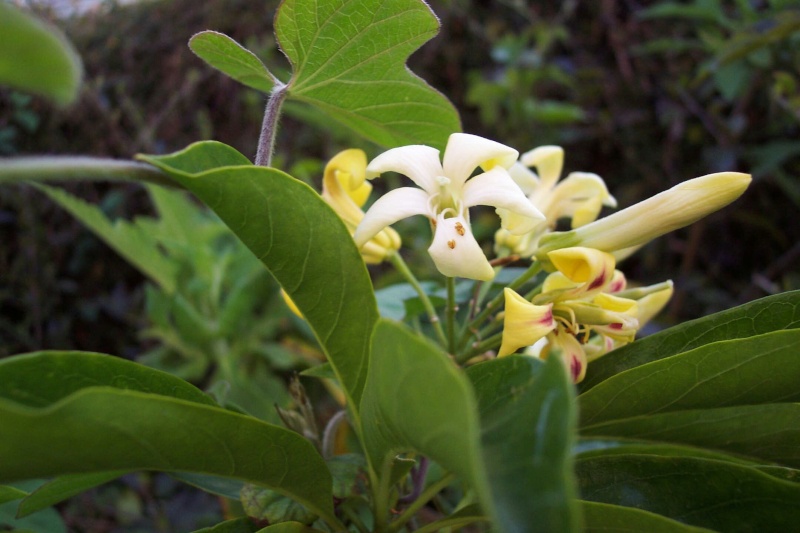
451, 244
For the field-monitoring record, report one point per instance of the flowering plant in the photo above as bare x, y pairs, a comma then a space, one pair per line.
439, 423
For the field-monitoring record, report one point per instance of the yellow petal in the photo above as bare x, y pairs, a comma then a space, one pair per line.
524, 323
571, 351
584, 265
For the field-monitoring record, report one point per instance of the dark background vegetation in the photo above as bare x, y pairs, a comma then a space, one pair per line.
645, 94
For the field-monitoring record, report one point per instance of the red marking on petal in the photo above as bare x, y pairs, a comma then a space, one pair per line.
598, 281
616, 326
616, 287
548, 318
575, 368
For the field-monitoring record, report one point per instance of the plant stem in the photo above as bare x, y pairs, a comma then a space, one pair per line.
61, 168
481, 347
498, 300
420, 502
269, 126
403, 269
451, 314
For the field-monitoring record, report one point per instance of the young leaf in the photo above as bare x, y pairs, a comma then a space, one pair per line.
102, 429
231, 58
528, 420
768, 432
128, 239
37, 57
41, 378
754, 370
712, 494
299, 238
349, 61
418, 400
781, 311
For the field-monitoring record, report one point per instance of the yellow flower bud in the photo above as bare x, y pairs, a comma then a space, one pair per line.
524, 323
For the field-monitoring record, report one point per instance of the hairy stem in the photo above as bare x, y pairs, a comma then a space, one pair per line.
65, 168
269, 126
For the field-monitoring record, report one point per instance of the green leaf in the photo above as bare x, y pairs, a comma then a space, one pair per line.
300, 239
227, 488
528, 420
231, 58
64, 487
768, 432
265, 504
711, 494
754, 370
416, 399
37, 57
605, 518
131, 240
45, 521
9, 494
772, 313
102, 429
465, 516
288, 527
239, 525
41, 378
349, 61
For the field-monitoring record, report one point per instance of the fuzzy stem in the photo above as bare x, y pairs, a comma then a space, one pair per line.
269, 126
65, 168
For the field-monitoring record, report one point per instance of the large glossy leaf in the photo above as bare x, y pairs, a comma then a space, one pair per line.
768, 432
349, 59
416, 399
772, 313
605, 518
228, 56
754, 370
41, 378
36, 57
528, 420
712, 494
101, 429
302, 242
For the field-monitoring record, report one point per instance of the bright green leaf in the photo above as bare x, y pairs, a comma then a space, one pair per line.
103, 429
41, 378
349, 61
37, 57
528, 420
768, 432
416, 399
64, 487
231, 58
302, 242
605, 518
129, 239
755, 370
711, 494
772, 313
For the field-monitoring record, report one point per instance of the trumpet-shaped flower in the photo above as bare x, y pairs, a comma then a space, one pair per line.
345, 189
580, 196
679, 206
445, 195
582, 298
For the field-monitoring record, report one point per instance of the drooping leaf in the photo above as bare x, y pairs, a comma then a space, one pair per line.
713, 494
300, 239
754, 370
768, 432
231, 58
418, 400
37, 57
100, 429
129, 239
39, 379
63, 487
349, 61
781, 311
605, 518
528, 420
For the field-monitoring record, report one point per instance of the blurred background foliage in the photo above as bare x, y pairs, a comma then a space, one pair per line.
645, 94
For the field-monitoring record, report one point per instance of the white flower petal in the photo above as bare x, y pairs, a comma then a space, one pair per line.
418, 162
527, 179
548, 160
455, 251
497, 189
464, 153
393, 206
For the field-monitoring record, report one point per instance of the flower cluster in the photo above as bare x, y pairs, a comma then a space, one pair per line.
583, 308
